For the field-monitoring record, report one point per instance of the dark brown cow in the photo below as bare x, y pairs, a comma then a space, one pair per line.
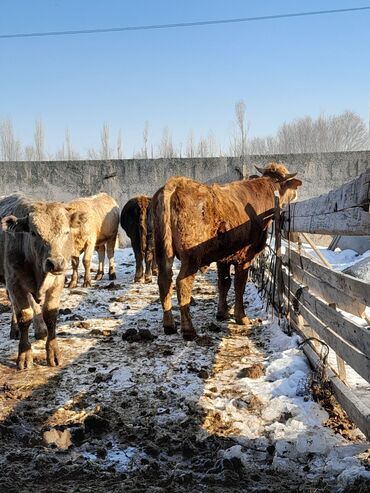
35, 248
200, 224
137, 221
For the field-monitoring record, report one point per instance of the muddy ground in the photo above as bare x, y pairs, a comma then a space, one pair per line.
139, 411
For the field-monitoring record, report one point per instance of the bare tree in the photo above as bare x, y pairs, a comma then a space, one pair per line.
105, 150
145, 139
327, 133
212, 145
190, 145
166, 148
38, 137
242, 126
29, 153
119, 145
11, 149
92, 154
203, 148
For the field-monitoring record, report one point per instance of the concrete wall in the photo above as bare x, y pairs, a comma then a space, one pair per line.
123, 179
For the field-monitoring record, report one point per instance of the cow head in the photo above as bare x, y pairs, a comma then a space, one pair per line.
285, 181
48, 231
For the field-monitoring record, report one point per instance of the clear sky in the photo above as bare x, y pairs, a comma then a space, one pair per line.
187, 78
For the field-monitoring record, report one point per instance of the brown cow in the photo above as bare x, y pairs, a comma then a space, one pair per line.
100, 229
201, 224
37, 244
137, 221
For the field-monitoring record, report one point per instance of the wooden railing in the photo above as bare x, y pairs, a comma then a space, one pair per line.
319, 301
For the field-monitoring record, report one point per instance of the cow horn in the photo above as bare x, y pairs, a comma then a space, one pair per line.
260, 170
288, 177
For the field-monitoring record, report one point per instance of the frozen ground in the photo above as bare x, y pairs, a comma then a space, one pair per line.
231, 411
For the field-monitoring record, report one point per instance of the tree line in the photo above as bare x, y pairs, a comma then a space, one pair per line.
346, 131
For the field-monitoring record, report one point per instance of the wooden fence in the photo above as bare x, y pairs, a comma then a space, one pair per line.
317, 299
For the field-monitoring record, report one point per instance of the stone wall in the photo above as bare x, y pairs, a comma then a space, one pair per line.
123, 179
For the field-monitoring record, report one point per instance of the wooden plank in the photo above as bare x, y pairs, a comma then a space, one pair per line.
352, 194
350, 222
354, 358
343, 282
316, 250
327, 292
347, 329
357, 411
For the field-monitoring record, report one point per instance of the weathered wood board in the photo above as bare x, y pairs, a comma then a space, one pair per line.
327, 292
347, 284
354, 358
356, 410
355, 334
353, 194
349, 222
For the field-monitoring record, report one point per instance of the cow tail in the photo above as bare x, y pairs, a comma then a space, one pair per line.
143, 229
162, 219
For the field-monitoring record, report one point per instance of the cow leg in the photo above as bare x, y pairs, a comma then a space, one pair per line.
139, 265
101, 253
165, 293
184, 284
241, 275
50, 313
224, 283
39, 325
73, 282
154, 266
87, 263
14, 330
148, 265
110, 252
23, 314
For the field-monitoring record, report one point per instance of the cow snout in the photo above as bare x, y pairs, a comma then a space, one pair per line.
55, 265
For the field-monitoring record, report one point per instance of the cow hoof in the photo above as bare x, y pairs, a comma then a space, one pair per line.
112, 276
72, 284
189, 336
99, 276
148, 279
169, 330
222, 316
169, 324
52, 354
155, 272
86, 284
25, 360
137, 279
242, 320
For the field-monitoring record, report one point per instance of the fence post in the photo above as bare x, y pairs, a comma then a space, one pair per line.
278, 264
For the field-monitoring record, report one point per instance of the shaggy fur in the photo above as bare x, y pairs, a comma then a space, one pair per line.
200, 224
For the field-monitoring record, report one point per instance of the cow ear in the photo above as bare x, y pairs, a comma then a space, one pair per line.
77, 219
294, 183
12, 224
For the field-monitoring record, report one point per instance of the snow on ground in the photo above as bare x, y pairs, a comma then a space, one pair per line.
232, 409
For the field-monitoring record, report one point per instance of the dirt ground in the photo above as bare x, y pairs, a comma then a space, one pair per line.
138, 411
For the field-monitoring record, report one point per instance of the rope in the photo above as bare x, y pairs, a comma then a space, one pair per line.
324, 359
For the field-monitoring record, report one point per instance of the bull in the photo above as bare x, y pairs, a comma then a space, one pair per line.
227, 224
